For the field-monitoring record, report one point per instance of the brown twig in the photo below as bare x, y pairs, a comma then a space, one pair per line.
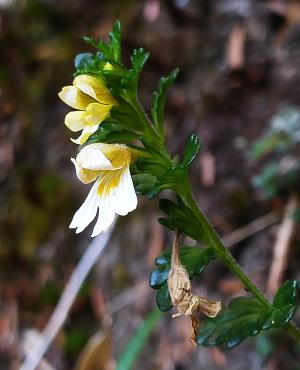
281, 246
253, 227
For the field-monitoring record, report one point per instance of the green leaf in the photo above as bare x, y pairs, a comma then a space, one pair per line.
163, 298
159, 98
124, 114
245, 317
138, 341
181, 218
139, 58
284, 303
112, 133
112, 49
191, 151
115, 41
194, 259
146, 184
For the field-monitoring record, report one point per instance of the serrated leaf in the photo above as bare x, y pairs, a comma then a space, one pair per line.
111, 49
191, 150
159, 98
193, 258
245, 317
115, 41
181, 218
139, 58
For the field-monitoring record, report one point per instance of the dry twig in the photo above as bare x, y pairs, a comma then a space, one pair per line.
281, 246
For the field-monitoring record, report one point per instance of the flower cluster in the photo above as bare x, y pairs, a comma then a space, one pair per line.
107, 165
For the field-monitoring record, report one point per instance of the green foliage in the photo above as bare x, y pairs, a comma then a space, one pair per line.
191, 150
181, 218
193, 258
159, 98
111, 49
245, 317
139, 58
122, 82
136, 344
112, 133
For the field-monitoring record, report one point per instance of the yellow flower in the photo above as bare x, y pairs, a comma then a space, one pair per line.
93, 102
113, 191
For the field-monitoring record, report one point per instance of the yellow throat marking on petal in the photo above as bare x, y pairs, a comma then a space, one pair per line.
110, 181
119, 155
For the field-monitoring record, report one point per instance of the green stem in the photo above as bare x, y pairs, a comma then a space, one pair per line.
227, 258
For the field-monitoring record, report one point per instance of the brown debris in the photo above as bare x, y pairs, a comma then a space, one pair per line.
181, 293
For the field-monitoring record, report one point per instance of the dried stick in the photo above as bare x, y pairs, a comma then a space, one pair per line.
60, 313
251, 228
281, 246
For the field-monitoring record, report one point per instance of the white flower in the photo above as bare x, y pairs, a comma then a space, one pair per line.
113, 191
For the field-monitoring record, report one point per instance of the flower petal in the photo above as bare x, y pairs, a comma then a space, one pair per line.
125, 199
97, 113
86, 133
85, 176
88, 210
75, 120
90, 157
72, 96
95, 88
105, 218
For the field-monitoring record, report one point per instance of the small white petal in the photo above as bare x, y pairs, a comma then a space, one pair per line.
125, 199
86, 133
106, 216
87, 212
75, 120
93, 159
72, 96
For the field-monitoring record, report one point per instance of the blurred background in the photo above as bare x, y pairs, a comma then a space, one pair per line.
239, 90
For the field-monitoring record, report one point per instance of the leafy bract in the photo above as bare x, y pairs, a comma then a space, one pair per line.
193, 258
111, 49
245, 317
112, 133
139, 58
159, 98
181, 218
192, 149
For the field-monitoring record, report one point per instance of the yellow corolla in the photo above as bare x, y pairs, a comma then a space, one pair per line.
113, 191
93, 102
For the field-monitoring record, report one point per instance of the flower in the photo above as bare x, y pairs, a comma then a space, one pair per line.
93, 102
113, 191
